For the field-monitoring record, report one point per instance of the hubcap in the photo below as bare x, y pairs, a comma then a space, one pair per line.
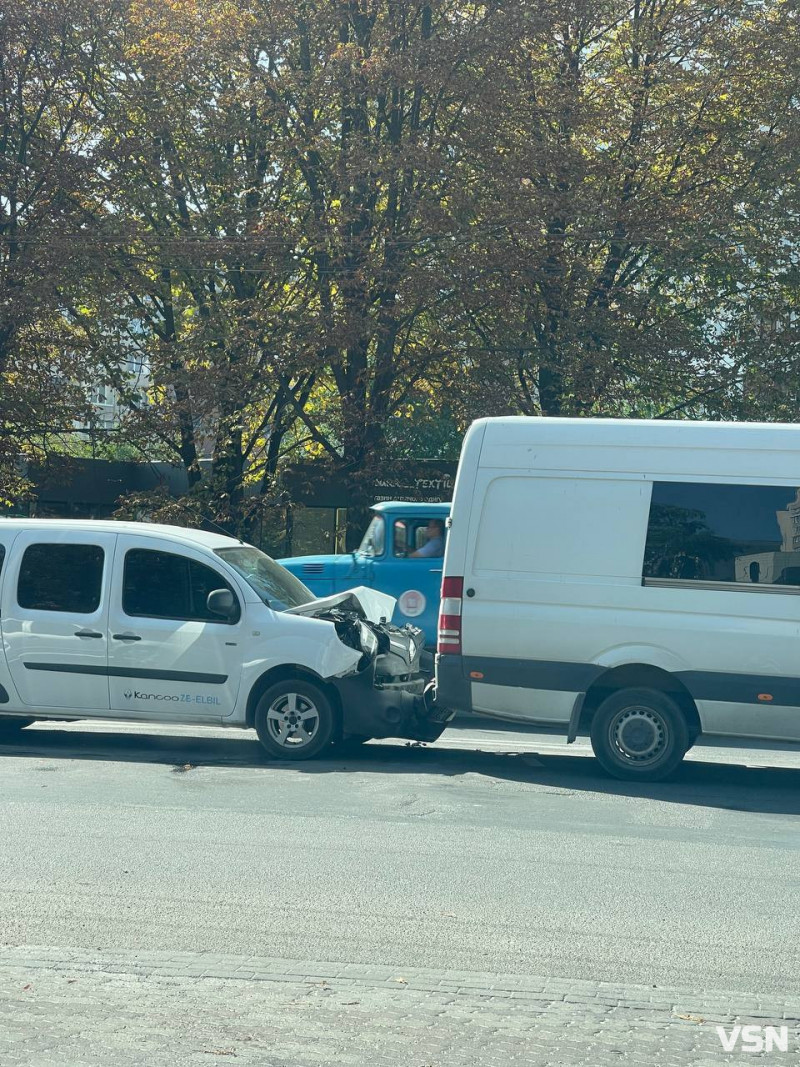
293, 720
638, 735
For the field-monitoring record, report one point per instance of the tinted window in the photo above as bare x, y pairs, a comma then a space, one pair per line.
2, 557
162, 585
57, 577
724, 533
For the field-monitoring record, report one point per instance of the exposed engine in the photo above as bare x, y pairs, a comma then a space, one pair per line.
395, 651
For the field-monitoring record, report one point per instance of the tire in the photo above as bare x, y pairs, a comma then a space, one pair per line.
294, 720
640, 735
10, 728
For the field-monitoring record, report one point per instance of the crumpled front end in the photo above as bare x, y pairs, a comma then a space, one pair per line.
389, 693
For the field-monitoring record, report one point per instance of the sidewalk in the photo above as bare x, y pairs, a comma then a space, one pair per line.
62, 1008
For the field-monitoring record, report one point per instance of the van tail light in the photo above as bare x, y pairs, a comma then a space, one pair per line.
448, 641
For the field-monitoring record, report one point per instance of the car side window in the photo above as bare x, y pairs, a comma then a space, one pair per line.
61, 577
164, 585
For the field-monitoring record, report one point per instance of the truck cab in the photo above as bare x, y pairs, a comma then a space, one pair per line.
386, 561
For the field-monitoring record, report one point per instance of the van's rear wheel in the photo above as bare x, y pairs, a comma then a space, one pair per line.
294, 720
639, 734
10, 727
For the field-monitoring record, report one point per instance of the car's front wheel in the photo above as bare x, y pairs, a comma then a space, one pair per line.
639, 734
294, 720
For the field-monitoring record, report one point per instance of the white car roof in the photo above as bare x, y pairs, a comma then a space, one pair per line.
180, 534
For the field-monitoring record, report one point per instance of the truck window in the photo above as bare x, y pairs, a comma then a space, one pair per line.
400, 538
747, 534
59, 577
163, 585
374, 541
410, 535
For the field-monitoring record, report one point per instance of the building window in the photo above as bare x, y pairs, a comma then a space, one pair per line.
723, 533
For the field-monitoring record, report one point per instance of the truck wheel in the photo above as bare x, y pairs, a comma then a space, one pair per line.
9, 728
639, 734
294, 720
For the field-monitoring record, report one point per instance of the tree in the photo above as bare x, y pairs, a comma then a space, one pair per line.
196, 243
49, 57
635, 159
368, 99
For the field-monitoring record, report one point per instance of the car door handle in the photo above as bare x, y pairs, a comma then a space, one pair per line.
88, 633
436, 570
127, 637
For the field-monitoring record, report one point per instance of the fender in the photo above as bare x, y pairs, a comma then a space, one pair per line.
624, 656
312, 644
650, 655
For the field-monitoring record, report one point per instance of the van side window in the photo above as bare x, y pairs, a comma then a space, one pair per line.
2, 557
749, 534
61, 577
162, 585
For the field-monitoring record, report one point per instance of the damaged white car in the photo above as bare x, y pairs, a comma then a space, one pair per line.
355, 675
134, 621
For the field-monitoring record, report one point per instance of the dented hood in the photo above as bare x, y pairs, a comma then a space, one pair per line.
373, 605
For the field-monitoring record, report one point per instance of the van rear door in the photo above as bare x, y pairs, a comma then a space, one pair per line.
55, 618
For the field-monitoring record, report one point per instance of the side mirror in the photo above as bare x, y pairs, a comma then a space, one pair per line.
222, 602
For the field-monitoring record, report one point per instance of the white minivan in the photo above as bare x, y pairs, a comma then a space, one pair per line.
133, 621
634, 580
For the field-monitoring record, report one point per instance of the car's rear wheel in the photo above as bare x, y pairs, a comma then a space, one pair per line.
639, 734
11, 726
294, 720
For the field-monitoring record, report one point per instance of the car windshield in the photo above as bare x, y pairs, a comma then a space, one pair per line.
372, 543
273, 583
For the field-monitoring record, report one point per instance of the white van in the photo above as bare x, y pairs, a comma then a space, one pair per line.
634, 580
133, 621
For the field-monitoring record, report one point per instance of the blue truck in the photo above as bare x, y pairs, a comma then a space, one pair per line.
386, 560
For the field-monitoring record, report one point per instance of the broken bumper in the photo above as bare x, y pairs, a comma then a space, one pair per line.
404, 709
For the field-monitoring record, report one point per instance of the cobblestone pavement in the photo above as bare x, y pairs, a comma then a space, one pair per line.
74, 1009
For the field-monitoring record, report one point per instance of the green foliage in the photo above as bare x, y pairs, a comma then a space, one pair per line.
343, 231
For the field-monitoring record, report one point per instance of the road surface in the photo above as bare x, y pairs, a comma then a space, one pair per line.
491, 852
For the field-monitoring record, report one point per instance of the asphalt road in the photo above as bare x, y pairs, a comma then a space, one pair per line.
489, 851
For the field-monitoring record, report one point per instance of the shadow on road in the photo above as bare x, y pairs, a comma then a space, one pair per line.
711, 784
